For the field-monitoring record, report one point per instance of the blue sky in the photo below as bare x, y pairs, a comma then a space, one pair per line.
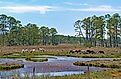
60, 14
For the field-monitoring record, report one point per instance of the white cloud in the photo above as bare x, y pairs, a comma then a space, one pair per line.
102, 8
44, 9
26, 9
76, 4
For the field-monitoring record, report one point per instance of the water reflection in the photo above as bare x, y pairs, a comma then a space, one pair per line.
56, 66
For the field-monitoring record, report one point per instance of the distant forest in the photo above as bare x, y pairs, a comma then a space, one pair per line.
94, 31
102, 31
13, 33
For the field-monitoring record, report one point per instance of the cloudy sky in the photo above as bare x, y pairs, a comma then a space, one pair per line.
60, 14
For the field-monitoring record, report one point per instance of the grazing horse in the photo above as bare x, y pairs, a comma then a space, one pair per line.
41, 50
75, 51
72, 51
101, 52
24, 50
83, 52
90, 51
7, 54
33, 50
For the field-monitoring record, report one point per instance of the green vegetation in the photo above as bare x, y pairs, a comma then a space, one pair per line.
115, 55
100, 63
106, 74
37, 59
13, 57
9, 66
109, 74
13, 33
96, 28
91, 75
104, 31
63, 53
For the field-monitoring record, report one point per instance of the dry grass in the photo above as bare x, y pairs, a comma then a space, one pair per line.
107, 74
101, 63
63, 50
58, 48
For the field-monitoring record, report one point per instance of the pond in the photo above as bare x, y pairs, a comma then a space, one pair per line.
55, 66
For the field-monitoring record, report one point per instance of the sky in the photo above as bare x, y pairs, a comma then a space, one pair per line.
60, 14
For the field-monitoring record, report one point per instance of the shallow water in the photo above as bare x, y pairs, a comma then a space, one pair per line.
55, 66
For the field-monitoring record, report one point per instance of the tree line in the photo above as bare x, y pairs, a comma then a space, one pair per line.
13, 33
102, 31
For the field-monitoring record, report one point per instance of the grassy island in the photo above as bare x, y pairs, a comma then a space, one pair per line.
37, 59
9, 66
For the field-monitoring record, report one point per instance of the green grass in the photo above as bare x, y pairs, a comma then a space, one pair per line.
37, 59
64, 53
100, 63
9, 66
107, 74
112, 55
92, 75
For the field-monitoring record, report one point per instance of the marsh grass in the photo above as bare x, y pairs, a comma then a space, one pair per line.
63, 53
100, 63
9, 66
107, 74
36, 59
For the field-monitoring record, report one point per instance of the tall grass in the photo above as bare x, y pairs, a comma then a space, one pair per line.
109, 74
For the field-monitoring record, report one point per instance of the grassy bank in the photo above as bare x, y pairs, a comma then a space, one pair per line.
112, 55
107, 74
111, 74
66, 53
116, 63
63, 53
37, 59
60, 50
9, 66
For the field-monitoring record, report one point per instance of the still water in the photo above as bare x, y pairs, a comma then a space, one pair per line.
55, 66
